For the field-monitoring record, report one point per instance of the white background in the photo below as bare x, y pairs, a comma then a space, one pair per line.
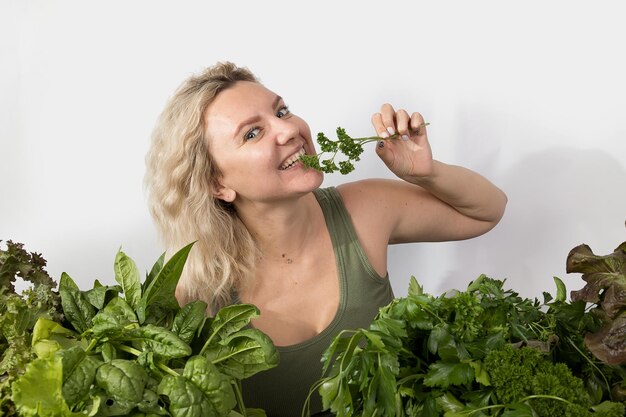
531, 94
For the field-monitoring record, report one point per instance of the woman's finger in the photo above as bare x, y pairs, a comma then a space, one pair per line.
417, 124
379, 126
388, 115
402, 124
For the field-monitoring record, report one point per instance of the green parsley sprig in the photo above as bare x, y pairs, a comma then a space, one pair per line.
347, 145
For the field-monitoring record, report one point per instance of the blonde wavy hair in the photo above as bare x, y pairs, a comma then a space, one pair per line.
179, 182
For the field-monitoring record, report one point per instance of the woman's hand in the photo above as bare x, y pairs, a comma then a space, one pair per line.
409, 155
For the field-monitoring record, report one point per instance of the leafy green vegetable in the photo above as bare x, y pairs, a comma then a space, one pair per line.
127, 349
350, 147
484, 351
20, 312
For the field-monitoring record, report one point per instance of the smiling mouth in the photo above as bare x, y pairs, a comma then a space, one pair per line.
289, 162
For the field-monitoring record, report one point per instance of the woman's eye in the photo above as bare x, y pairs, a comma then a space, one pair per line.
252, 133
283, 111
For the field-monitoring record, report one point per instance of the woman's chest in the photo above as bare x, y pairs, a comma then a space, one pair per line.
297, 299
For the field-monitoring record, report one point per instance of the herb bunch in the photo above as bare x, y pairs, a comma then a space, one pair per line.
20, 312
350, 147
484, 351
129, 349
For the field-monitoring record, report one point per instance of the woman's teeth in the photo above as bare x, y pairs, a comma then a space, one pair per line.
292, 159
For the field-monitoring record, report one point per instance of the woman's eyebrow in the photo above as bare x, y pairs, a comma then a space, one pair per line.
256, 118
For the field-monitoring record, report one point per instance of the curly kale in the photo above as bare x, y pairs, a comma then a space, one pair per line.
526, 376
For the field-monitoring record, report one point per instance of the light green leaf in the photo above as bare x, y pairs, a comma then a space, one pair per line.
49, 336
414, 287
122, 379
127, 275
561, 291
475, 285
480, 373
38, 393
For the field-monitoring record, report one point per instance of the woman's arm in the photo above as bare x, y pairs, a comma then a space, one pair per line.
435, 202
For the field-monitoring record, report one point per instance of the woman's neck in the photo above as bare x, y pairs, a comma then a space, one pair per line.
283, 230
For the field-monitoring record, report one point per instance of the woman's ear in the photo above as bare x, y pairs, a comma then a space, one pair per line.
223, 192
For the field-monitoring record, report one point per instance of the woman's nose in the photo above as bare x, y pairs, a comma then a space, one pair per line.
285, 130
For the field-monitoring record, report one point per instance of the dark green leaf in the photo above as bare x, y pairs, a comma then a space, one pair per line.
189, 319
243, 354
79, 372
231, 319
444, 374
161, 291
123, 380
159, 340
77, 309
156, 268
202, 391
100, 294
110, 321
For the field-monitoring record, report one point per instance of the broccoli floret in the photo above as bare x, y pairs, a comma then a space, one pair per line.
517, 375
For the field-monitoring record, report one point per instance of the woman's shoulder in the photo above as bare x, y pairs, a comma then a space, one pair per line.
374, 193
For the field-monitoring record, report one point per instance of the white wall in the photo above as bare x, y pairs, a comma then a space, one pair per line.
531, 94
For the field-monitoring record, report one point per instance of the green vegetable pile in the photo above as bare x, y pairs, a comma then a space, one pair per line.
127, 349
351, 147
486, 351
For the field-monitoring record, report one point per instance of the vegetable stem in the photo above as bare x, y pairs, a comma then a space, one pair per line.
239, 396
159, 365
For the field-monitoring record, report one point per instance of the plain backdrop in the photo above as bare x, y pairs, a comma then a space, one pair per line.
530, 94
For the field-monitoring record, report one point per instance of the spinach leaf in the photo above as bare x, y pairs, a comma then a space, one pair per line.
189, 319
159, 340
79, 373
161, 291
127, 275
123, 380
243, 354
77, 309
202, 391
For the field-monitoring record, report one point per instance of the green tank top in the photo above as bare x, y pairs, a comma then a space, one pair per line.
282, 391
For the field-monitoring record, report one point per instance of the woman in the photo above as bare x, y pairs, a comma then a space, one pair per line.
224, 171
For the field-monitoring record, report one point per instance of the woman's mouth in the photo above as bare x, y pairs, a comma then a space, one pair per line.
289, 162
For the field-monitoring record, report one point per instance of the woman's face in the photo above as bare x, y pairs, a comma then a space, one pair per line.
256, 142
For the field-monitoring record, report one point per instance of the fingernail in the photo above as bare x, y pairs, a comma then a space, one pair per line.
384, 135
405, 137
391, 130
381, 144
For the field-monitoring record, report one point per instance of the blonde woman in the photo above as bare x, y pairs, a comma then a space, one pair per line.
223, 170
